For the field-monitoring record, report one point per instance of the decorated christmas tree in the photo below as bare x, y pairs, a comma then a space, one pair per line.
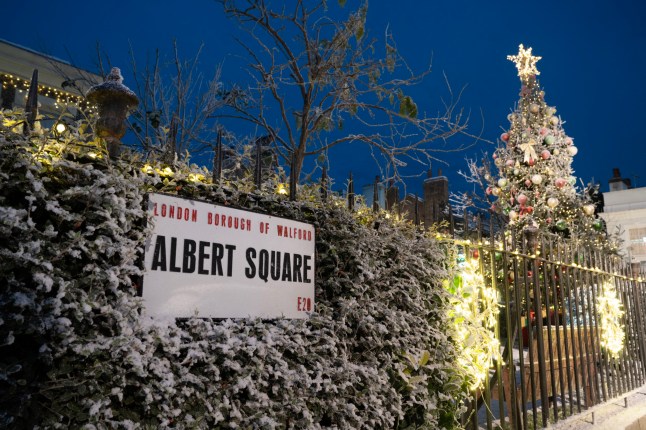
535, 186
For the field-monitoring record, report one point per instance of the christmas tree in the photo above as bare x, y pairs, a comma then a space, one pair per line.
535, 187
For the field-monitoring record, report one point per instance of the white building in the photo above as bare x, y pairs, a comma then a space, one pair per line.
625, 209
61, 86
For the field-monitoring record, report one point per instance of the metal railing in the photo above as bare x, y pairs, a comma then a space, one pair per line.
550, 331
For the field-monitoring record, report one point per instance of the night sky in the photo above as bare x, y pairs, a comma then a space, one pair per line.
592, 71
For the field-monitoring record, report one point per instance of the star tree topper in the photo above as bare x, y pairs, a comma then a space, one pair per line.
525, 62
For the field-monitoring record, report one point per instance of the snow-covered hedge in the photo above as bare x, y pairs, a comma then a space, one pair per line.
78, 351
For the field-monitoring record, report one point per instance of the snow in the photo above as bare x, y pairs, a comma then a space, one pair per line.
612, 415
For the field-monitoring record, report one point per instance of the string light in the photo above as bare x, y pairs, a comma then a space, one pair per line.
281, 189
59, 96
474, 315
525, 62
610, 313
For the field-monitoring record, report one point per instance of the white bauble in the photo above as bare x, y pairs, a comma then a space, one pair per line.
588, 209
552, 202
513, 215
554, 120
502, 182
572, 150
537, 179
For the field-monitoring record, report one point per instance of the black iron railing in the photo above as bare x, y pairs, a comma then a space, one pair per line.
555, 363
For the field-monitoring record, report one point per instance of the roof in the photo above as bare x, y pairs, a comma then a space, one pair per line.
20, 61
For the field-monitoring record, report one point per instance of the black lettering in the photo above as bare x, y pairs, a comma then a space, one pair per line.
307, 267
188, 263
275, 265
159, 255
287, 268
230, 249
263, 265
298, 264
216, 262
203, 255
250, 272
173, 255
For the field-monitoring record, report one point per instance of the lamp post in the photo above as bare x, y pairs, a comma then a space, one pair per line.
114, 101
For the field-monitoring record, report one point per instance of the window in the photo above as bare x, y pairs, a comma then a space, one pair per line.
637, 238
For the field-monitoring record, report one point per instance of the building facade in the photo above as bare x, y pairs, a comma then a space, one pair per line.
625, 214
61, 86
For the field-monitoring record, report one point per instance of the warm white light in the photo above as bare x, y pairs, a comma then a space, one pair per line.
60, 127
282, 189
525, 62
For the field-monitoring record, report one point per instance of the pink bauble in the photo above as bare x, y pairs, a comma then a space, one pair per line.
545, 154
568, 141
522, 199
560, 182
543, 131
509, 163
495, 156
531, 162
528, 183
504, 137
488, 191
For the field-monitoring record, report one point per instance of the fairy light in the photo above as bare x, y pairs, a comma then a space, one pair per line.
59, 96
610, 313
60, 128
281, 189
525, 62
474, 315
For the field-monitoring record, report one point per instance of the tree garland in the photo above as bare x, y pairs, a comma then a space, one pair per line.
610, 314
474, 315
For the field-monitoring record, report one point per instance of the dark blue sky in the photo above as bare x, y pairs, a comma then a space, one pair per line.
592, 71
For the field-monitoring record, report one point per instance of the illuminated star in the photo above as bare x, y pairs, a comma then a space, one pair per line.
525, 62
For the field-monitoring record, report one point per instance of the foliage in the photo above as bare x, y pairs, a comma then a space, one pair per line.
317, 82
474, 316
78, 351
610, 312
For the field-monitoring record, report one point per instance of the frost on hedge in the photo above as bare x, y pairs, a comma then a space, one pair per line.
78, 351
